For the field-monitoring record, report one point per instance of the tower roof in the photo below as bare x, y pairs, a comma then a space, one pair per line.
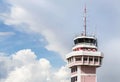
83, 36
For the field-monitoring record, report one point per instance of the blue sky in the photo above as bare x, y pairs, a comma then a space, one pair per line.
44, 30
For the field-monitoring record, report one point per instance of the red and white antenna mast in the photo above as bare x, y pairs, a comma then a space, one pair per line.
85, 12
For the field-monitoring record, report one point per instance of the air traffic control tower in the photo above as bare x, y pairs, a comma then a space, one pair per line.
84, 58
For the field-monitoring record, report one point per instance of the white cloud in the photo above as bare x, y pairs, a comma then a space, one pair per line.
6, 33
24, 56
6, 66
25, 21
61, 75
46, 4
16, 16
109, 71
35, 70
27, 14
54, 43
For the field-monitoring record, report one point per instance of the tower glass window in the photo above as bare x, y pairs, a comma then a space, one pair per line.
86, 40
100, 60
85, 58
78, 59
74, 79
74, 69
96, 59
90, 58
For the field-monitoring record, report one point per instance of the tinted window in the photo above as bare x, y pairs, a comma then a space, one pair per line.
85, 40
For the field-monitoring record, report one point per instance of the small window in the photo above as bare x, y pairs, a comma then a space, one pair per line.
78, 58
70, 59
96, 59
74, 79
100, 61
85, 58
91, 59
74, 69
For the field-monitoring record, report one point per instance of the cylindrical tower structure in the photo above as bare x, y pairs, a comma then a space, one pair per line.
84, 59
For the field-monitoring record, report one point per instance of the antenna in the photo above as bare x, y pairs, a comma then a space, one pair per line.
85, 12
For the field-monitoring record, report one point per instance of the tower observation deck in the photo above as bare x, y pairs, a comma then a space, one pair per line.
84, 59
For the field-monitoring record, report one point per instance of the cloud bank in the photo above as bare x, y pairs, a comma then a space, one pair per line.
30, 19
23, 66
25, 19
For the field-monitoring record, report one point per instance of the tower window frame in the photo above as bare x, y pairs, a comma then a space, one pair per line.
85, 58
90, 59
96, 59
73, 69
78, 58
74, 79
